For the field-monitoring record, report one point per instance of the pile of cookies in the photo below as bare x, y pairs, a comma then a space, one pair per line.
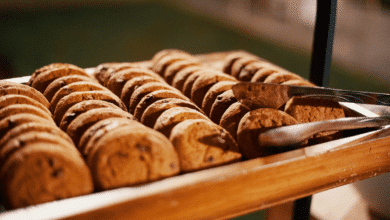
131, 123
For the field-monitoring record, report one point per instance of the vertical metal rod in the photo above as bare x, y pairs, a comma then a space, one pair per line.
319, 71
323, 42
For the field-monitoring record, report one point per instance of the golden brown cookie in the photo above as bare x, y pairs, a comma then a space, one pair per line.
153, 111
68, 101
160, 65
74, 87
253, 123
232, 117
298, 82
12, 121
134, 83
21, 99
42, 80
240, 63
20, 89
280, 77
223, 102
51, 67
204, 82
152, 97
162, 53
247, 73
181, 76
130, 155
57, 84
96, 131
43, 172
263, 73
105, 70
230, 59
202, 144
189, 82
24, 108
212, 94
85, 120
171, 117
145, 89
82, 107
176, 66
116, 82
36, 127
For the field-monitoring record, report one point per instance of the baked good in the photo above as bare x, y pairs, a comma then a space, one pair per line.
212, 94
85, 120
280, 77
7, 100
82, 107
253, 123
204, 82
74, 87
231, 58
155, 96
176, 66
130, 155
43, 172
53, 67
161, 64
153, 111
298, 82
223, 102
134, 83
12, 121
104, 71
240, 63
232, 117
41, 81
24, 108
246, 74
171, 117
202, 144
57, 84
116, 82
181, 76
189, 82
145, 89
263, 73
68, 101
8, 88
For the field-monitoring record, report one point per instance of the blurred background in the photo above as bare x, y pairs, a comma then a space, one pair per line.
89, 32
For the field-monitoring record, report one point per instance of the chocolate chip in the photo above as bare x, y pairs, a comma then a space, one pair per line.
57, 173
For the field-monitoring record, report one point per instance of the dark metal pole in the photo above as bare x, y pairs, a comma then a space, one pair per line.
323, 42
319, 71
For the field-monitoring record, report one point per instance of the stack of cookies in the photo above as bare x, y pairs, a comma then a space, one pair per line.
38, 161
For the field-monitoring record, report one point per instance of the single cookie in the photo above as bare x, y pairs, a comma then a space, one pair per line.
57, 84
280, 77
96, 131
298, 82
152, 97
204, 82
74, 87
45, 78
12, 121
253, 123
131, 155
171, 117
82, 107
145, 89
153, 111
202, 144
43, 172
232, 116
51, 67
68, 101
240, 63
134, 83
21, 99
212, 94
85, 120
118, 80
20, 89
162, 53
223, 102
24, 108
176, 66
181, 76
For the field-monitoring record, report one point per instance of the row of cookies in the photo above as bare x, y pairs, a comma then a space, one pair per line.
118, 149
38, 161
249, 68
162, 107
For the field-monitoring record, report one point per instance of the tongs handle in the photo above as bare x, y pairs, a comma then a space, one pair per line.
296, 134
